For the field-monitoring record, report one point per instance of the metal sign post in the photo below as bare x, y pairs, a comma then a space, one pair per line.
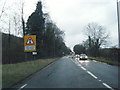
118, 15
34, 55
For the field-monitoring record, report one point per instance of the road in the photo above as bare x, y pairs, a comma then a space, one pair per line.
73, 73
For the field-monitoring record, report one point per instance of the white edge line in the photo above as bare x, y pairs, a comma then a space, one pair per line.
94, 61
92, 74
107, 86
22, 86
100, 62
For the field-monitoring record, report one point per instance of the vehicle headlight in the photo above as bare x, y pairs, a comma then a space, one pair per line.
80, 56
86, 57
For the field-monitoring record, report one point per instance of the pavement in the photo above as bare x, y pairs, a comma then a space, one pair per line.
73, 73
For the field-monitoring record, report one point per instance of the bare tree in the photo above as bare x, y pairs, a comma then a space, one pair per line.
2, 9
22, 17
9, 41
18, 19
96, 34
97, 37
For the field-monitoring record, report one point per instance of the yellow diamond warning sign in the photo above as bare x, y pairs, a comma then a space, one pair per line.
29, 43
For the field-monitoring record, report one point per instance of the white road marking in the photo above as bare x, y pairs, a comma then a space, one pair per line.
22, 86
107, 86
92, 74
79, 65
83, 68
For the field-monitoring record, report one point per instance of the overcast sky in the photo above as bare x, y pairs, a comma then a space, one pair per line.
72, 16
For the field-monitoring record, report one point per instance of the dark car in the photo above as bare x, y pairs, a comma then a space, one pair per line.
83, 57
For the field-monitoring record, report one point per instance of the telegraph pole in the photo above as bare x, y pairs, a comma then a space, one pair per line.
118, 18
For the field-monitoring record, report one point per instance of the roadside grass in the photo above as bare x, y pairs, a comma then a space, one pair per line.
13, 73
108, 61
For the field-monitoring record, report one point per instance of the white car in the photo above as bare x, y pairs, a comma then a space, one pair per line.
83, 57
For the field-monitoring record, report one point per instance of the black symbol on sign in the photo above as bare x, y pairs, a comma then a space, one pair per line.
30, 41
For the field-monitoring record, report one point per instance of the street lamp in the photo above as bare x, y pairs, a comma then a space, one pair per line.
118, 18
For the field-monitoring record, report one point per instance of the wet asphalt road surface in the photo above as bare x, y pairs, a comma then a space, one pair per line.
73, 73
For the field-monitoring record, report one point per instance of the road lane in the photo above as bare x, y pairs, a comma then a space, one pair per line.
64, 73
106, 73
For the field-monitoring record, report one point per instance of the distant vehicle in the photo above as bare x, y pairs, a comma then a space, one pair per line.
77, 56
83, 57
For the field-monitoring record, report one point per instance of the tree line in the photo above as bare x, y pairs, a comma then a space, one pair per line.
96, 39
50, 39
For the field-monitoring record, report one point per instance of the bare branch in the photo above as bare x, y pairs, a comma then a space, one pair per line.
96, 34
2, 9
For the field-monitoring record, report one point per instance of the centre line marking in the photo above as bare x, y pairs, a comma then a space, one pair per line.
107, 86
22, 87
83, 68
99, 80
79, 65
92, 74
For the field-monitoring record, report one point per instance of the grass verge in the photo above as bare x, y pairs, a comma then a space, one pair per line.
13, 73
100, 59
